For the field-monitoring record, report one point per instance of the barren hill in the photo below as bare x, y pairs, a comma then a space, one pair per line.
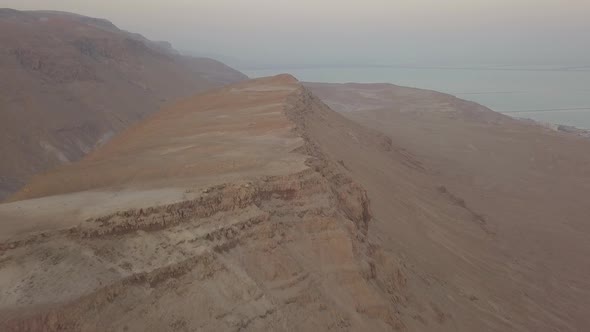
71, 82
257, 207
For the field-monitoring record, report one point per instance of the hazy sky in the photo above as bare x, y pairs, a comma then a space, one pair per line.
361, 31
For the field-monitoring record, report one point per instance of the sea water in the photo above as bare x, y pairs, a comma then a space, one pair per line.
552, 94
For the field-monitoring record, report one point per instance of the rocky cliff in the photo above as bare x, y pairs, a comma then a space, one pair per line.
257, 207
280, 248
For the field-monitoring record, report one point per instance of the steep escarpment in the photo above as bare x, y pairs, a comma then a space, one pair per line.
265, 244
77, 81
138, 257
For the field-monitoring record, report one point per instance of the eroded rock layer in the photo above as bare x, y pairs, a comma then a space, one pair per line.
256, 207
258, 252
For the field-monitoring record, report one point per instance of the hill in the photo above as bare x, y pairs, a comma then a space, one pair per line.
257, 207
72, 82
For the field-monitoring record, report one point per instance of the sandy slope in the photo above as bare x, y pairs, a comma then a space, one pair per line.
257, 207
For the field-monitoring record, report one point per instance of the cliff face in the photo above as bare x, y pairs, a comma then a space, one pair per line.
272, 253
72, 82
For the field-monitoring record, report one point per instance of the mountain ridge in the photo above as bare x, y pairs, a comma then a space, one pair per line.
263, 208
285, 196
186, 197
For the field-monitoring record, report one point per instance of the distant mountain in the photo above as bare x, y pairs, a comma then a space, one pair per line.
70, 82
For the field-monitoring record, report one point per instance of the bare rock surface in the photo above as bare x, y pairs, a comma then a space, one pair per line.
231, 217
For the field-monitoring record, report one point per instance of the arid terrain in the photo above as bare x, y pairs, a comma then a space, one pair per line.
275, 205
144, 190
70, 83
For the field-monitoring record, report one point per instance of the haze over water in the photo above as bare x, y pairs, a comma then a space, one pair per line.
431, 33
552, 94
